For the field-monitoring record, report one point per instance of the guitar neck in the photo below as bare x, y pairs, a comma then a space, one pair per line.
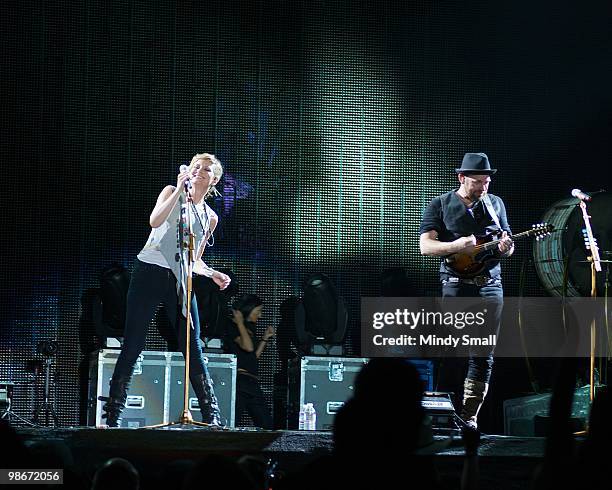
493, 243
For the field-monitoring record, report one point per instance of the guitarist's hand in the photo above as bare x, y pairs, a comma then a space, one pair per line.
505, 244
466, 244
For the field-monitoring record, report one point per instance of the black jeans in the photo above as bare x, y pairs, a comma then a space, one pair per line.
480, 364
151, 285
250, 397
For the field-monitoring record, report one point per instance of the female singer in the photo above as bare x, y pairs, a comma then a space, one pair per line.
159, 276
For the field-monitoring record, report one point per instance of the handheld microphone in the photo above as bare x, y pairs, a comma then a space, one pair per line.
580, 195
185, 168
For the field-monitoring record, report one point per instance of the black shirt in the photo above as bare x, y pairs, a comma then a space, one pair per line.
451, 218
245, 360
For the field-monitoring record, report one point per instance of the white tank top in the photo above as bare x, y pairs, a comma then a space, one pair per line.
163, 245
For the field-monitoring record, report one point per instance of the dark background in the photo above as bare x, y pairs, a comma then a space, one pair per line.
336, 123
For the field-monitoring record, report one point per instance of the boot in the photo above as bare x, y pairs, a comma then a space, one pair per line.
209, 407
115, 402
474, 393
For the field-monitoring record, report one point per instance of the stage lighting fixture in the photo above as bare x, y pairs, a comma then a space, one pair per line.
109, 304
321, 317
396, 282
47, 348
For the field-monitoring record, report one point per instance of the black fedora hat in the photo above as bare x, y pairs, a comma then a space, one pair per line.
476, 163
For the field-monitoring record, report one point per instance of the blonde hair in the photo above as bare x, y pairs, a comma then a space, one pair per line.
216, 168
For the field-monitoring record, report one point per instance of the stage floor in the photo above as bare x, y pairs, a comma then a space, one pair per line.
506, 462
188, 439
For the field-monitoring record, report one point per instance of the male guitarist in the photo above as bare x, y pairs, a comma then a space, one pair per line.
451, 224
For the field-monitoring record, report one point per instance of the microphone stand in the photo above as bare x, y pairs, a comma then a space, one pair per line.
187, 243
595, 261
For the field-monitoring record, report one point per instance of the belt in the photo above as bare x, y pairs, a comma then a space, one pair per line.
474, 281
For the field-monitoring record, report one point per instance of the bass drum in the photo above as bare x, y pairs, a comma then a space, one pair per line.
561, 260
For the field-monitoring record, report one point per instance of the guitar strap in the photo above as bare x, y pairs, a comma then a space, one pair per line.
489, 205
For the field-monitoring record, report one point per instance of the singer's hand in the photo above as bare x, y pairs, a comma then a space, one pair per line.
182, 178
221, 280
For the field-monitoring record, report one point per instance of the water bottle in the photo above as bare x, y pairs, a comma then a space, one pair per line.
307, 416
311, 417
302, 418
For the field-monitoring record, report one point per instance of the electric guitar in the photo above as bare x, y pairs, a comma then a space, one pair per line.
471, 264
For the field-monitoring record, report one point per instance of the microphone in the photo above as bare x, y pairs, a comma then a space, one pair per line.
184, 168
580, 195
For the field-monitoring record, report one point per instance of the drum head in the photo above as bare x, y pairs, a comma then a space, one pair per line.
561, 260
